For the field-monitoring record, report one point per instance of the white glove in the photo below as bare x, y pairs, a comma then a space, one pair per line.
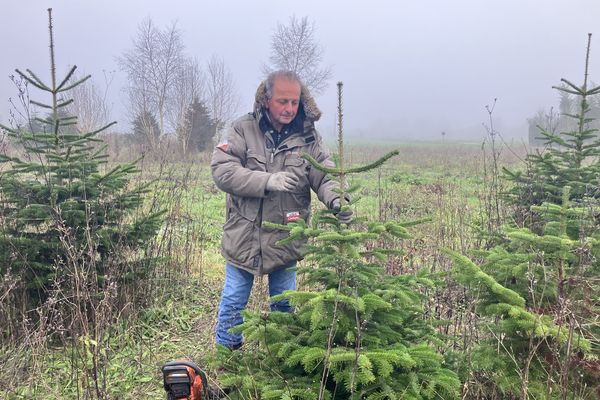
282, 182
344, 217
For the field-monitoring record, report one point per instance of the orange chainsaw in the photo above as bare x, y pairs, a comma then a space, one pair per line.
184, 380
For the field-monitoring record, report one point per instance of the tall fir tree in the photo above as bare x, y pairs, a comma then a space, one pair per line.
145, 128
201, 126
570, 158
61, 206
536, 292
357, 333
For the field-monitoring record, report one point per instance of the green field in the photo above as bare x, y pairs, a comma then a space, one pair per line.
443, 182
453, 186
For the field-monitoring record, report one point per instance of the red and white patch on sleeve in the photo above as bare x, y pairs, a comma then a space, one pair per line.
223, 144
292, 216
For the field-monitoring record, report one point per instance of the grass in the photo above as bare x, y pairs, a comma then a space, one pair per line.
440, 181
174, 326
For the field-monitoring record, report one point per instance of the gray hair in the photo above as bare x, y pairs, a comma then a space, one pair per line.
285, 74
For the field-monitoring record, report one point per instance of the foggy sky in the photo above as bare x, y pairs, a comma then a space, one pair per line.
410, 69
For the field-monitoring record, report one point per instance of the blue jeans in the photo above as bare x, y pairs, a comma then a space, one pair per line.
236, 291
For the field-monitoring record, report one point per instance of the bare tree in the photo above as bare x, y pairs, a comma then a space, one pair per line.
221, 95
189, 86
294, 47
89, 103
153, 67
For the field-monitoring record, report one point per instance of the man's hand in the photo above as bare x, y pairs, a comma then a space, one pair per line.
282, 182
344, 217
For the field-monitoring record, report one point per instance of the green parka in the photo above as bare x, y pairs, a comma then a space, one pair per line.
241, 165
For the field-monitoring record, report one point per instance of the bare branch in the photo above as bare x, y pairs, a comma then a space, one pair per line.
294, 47
222, 97
89, 104
188, 87
153, 67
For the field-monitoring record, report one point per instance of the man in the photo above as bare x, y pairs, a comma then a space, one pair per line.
258, 165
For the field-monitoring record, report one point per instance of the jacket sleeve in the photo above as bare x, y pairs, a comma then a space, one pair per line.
228, 167
322, 184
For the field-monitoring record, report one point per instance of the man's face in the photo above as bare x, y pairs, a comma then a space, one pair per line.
283, 104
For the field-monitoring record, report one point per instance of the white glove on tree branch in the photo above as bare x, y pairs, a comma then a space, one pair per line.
282, 182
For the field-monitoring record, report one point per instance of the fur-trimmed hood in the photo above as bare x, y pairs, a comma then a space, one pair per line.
311, 111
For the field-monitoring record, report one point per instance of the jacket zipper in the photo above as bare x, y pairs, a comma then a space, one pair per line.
261, 266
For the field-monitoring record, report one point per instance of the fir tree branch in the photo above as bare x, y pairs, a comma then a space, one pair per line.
34, 83
64, 103
4, 158
468, 272
373, 165
10, 130
36, 103
44, 121
593, 91
74, 84
579, 90
562, 89
319, 166
67, 77
103, 128
34, 76
336, 171
415, 222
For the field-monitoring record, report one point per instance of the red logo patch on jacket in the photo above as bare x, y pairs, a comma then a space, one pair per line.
292, 216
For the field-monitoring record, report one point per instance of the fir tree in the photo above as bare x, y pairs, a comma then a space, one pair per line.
358, 333
145, 128
62, 206
538, 304
200, 126
536, 292
570, 158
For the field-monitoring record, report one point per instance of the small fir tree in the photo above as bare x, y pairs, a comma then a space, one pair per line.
538, 305
356, 334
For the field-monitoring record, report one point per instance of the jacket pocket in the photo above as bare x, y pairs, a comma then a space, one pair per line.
294, 160
247, 207
239, 238
299, 166
295, 206
255, 161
